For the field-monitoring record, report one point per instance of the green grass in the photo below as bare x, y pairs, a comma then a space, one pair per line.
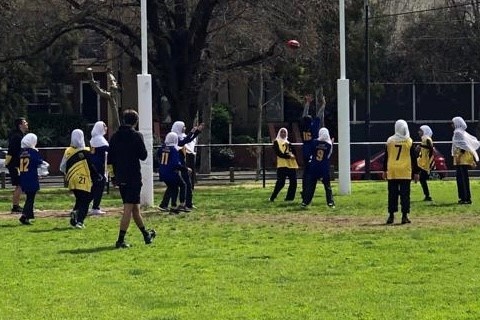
241, 257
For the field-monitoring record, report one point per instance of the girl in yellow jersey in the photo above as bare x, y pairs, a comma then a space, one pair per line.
78, 169
399, 164
464, 152
286, 166
425, 158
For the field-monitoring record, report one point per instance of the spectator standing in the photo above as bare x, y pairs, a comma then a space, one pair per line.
12, 160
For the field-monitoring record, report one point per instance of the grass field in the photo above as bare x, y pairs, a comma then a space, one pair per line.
240, 257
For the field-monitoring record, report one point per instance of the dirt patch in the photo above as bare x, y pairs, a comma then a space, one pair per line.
319, 221
309, 220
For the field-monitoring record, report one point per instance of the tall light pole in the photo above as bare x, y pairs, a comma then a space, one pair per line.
343, 100
367, 91
144, 85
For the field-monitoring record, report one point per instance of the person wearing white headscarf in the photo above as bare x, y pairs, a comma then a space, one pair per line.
30, 160
425, 159
319, 168
400, 162
79, 174
179, 128
169, 172
465, 156
286, 166
99, 150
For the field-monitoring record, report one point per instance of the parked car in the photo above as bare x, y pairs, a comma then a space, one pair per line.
376, 164
42, 170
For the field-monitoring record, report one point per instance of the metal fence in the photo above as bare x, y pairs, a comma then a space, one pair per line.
415, 102
239, 162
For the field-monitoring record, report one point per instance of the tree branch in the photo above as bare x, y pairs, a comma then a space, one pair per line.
251, 61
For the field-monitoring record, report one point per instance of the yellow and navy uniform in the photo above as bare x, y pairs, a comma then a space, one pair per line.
78, 171
282, 150
463, 158
400, 160
425, 158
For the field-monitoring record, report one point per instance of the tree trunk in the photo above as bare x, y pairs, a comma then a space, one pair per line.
206, 136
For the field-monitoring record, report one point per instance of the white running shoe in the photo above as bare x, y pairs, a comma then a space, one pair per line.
79, 225
96, 212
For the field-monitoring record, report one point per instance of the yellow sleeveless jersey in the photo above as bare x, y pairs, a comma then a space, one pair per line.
285, 163
399, 162
425, 159
465, 158
78, 173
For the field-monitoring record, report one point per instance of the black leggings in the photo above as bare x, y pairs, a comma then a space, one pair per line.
82, 201
175, 189
463, 183
398, 188
310, 185
97, 192
423, 182
282, 175
28, 206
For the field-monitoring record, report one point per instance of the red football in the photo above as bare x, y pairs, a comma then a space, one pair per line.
294, 44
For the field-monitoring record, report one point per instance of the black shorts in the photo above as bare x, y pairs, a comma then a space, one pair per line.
130, 193
14, 176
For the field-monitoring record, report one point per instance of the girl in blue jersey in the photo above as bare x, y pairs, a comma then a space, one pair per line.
169, 170
179, 128
309, 128
319, 168
30, 160
99, 150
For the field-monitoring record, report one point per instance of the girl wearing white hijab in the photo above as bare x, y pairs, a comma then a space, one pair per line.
169, 173
30, 160
399, 164
465, 156
286, 166
425, 159
99, 149
179, 128
319, 168
78, 169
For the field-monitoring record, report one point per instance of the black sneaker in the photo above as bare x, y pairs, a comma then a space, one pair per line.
175, 210
331, 205
16, 210
165, 209
24, 220
390, 219
150, 236
121, 245
405, 220
303, 205
73, 218
427, 199
183, 208
465, 202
